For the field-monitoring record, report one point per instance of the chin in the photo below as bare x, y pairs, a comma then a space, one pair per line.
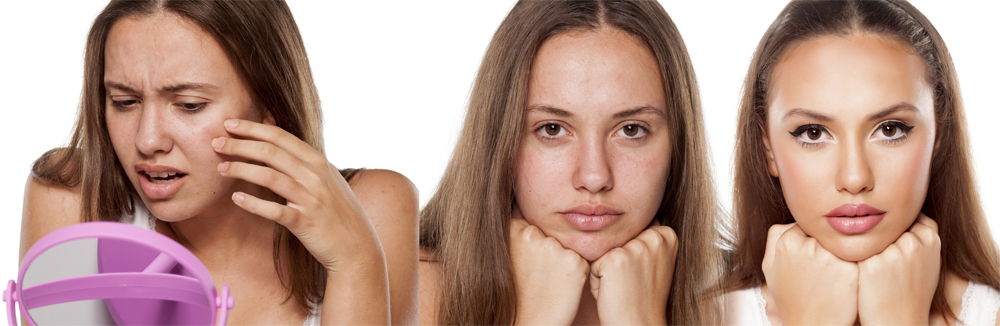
854, 248
590, 247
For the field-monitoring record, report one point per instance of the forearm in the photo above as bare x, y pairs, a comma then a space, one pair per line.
358, 294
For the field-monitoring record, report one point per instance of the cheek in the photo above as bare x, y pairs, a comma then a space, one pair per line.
806, 178
904, 175
541, 177
640, 177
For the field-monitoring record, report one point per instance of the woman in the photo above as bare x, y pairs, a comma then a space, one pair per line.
204, 115
581, 156
853, 177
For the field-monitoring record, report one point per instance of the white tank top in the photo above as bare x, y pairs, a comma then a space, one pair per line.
747, 307
144, 219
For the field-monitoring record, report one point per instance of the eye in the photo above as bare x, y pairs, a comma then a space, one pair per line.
891, 131
631, 131
811, 134
191, 106
123, 102
551, 130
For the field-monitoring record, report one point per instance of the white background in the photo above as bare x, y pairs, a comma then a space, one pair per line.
394, 77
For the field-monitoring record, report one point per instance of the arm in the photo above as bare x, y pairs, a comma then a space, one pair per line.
47, 207
430, 289
391, 202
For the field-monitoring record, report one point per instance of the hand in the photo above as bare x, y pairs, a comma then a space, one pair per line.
321, 210
549, 278
897, 285
632, 283
810, 285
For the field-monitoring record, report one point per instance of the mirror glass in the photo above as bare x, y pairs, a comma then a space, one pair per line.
102, 281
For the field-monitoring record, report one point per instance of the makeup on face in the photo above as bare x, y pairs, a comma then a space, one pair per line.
851, 134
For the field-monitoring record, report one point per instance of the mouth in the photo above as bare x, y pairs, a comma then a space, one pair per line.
588, 217
163, 177
854, 219
159, 181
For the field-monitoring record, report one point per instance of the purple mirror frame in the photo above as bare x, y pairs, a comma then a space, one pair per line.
83, 287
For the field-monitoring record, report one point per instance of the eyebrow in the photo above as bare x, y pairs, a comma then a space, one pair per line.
903, 106
618, 115
172, 88
806, 113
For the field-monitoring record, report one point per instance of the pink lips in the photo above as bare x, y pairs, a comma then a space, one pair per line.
854, 219
588, 217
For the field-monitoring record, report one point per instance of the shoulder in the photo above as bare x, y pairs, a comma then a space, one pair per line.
383, 186
47, 207
430, 278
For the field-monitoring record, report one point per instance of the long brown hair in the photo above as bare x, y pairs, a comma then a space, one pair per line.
952, 200
465, 223
262, 41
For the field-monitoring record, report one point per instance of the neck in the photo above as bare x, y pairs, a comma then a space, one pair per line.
226, 231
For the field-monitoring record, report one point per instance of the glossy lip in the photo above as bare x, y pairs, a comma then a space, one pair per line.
591, 217
158, 190
854, 219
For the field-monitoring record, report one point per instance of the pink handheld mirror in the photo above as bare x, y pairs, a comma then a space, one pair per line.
105, 273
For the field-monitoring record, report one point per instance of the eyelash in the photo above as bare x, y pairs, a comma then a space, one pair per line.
641, 133
797, 133
902, 129
189, 107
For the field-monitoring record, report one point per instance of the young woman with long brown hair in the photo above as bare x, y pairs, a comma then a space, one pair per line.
854, 196
580, 178
199, 119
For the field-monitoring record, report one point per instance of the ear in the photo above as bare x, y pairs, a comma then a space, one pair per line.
772, 166
268, 118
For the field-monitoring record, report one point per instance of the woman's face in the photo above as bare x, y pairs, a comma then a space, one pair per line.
169, 88
595, 156
850, 136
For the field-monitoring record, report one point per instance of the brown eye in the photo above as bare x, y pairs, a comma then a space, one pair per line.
889, 130
814, 134
552, 129
630, 130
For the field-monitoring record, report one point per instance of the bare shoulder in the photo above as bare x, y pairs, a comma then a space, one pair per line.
390, 200
47, 207
430, 278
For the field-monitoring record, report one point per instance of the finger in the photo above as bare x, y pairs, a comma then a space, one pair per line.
595, 285
263, 176
773, 234
278, 213
276, 136
668, 235
261, 151
926, 221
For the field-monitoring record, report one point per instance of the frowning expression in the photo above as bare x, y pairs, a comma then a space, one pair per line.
169, 87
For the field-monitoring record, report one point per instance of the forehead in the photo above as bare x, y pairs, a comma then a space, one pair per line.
164, 49
848, 74
595, 69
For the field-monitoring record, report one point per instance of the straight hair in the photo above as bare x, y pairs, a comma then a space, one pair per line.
952, 199
465, 223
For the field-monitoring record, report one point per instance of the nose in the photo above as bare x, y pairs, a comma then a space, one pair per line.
593, 171
152, 136
855, 174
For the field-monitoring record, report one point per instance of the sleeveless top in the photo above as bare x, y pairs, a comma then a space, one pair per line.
979, 306
144, 219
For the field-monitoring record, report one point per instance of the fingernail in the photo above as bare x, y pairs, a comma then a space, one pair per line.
238, 197
223, 167
232, 123
218, 142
